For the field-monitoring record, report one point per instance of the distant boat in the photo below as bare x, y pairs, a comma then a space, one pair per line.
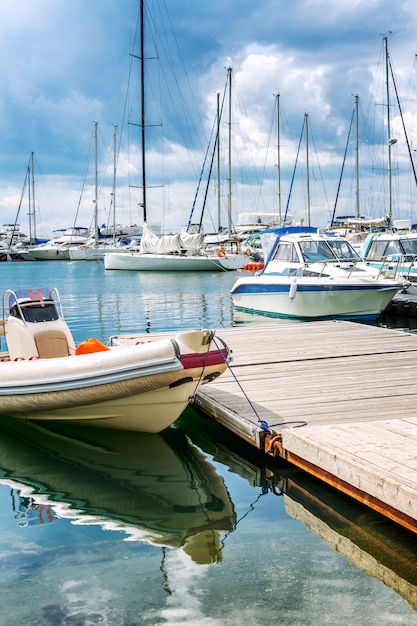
57, 248
309, 275
140, 387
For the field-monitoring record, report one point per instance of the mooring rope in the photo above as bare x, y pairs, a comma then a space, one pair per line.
263, 423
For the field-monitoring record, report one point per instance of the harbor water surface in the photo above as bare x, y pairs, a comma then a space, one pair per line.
187, 527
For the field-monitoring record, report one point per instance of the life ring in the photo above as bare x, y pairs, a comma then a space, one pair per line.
221, 252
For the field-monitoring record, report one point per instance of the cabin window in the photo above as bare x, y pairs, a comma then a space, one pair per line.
343, 250
286, 252
316, 251
409, 246
377, 250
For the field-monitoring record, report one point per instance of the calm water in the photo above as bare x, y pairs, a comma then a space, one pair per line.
187, 527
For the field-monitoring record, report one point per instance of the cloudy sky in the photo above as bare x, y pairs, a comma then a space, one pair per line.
66, 65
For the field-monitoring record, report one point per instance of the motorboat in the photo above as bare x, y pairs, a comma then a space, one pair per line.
140, 387
57, 249
394, 251
312, 275
159, 489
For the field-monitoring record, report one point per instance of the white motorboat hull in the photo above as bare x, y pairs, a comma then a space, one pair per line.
173, 262
312, 298
46, 254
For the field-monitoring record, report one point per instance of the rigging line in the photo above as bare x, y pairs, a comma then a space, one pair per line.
25, 184
343, 167
262, 174
185, 72
318, 163
402, 120
84, 177
201, 176
293, 174
182, 111
216, 143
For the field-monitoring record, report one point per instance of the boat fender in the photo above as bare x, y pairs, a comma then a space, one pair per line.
221, 252
293, 290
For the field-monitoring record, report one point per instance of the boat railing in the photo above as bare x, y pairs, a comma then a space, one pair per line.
398, 265
348, 264
12, 302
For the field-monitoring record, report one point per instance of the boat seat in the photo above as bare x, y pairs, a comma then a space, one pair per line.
51, 344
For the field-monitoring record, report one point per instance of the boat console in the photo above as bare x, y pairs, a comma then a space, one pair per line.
34, 324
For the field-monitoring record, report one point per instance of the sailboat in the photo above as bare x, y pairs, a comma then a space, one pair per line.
394, 249
14, 244
94, 248
179, 252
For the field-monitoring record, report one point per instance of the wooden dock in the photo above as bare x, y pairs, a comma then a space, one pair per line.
337, 399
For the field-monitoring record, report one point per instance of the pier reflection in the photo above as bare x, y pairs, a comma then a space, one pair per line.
366, 539
369, 541
165, 490
156, 488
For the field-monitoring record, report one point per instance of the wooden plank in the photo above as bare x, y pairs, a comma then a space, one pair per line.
355, 457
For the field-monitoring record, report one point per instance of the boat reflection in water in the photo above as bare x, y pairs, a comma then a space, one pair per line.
158, 488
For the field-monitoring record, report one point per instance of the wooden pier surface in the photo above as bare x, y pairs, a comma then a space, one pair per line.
339, 400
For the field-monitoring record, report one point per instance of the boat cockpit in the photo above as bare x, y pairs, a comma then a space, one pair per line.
34, 325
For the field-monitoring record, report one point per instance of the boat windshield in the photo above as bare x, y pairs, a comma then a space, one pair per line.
328, 250
409, 246
343, 250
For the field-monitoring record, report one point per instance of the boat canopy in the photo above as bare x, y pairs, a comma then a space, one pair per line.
270, 238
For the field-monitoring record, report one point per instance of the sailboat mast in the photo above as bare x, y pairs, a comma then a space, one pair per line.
114, 181
32, 217
279, 160
218, 163
390, 141
307, 170
229, 196
142, 105
96, 186
357, 213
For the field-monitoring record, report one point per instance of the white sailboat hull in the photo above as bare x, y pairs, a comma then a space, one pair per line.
173, 262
